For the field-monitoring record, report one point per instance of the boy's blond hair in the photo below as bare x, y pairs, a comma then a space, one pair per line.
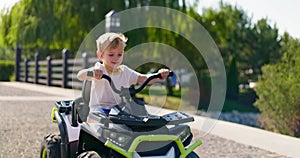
110, 40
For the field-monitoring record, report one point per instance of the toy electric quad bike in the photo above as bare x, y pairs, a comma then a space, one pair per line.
129, 132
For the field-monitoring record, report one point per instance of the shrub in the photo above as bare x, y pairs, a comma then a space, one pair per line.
278, 92
7, 69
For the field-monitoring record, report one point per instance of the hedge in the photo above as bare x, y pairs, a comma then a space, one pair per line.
6, 70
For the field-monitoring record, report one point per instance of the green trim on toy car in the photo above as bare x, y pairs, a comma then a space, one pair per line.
44, 153
184, 152
52, 115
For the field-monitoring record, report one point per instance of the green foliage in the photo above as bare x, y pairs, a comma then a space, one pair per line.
278, 91
253, 45
232, 80
7, 53
43, 26
7, 70
52, 25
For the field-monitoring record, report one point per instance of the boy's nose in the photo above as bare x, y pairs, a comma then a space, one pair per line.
117, 58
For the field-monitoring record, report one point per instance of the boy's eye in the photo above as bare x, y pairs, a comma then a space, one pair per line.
110, 55
119, 55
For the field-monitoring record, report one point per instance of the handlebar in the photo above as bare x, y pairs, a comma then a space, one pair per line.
156, 75
132, 91
111, 83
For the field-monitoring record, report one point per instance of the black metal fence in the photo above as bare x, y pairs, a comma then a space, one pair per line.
51, 72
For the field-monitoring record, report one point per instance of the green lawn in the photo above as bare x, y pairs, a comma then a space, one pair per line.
157, 96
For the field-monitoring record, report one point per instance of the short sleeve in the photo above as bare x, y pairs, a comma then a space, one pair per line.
131, 75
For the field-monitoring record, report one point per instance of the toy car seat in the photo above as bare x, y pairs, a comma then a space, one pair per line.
83, 107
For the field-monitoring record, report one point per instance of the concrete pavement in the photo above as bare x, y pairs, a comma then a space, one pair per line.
274, 142
52, 93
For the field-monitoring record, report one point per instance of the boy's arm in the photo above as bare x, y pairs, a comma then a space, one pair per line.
164, 73
83, 74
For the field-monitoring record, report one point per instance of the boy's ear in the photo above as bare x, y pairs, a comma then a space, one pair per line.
100, 55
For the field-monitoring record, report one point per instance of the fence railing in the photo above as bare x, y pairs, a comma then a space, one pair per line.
52, 72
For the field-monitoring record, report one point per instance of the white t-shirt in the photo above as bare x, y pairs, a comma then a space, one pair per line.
101, 92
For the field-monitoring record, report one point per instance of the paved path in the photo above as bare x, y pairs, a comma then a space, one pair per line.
281, 144
25, 119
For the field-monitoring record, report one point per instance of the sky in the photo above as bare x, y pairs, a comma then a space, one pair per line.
283, 13
7, 3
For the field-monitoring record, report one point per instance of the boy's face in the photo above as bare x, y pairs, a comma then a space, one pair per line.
113, 57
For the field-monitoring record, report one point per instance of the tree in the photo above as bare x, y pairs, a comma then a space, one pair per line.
278, 91
230, 27
253, 45
263, 48
232, 80
162, 41
50, 25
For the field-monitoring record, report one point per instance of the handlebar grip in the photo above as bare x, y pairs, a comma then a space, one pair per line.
90, 73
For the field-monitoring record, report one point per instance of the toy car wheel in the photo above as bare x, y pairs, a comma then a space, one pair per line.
50, 147
192, 155
89, 154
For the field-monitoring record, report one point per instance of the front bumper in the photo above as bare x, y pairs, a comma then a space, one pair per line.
131, 152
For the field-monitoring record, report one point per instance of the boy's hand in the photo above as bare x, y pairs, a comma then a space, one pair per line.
164, 73
98, 74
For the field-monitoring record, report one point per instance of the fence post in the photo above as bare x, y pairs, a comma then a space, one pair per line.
65, 67
85, 58
26, 70
49, 71
17, 63
36, 70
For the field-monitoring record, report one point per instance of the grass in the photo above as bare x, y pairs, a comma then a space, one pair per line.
157, 96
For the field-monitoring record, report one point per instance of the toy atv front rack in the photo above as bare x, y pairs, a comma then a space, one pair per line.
148, 121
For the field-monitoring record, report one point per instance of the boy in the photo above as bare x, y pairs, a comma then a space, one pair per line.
110, 50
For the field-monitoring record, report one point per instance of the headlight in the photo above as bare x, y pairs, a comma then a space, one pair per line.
119, 139
184, 134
